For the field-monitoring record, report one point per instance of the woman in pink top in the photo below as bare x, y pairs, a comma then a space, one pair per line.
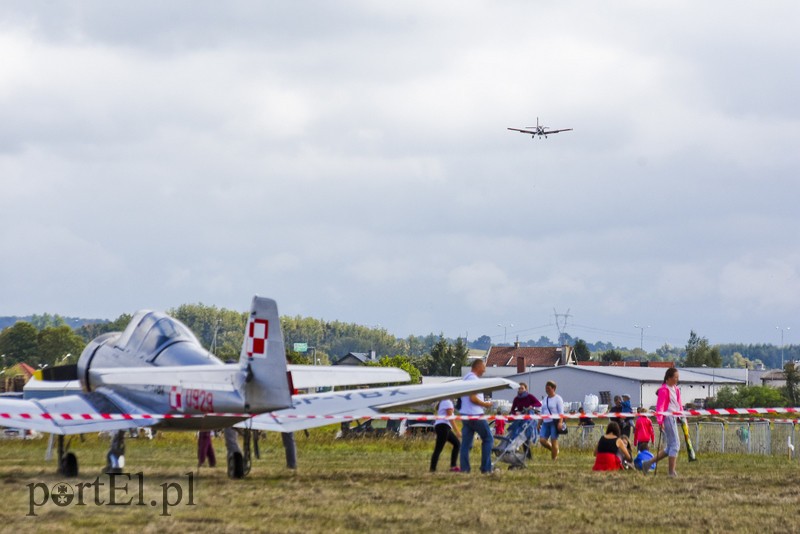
669, 400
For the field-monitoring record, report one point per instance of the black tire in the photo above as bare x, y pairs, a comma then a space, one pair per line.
69, 465
236, 465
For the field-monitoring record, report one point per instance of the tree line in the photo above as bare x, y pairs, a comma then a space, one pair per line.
49, 340
42, 339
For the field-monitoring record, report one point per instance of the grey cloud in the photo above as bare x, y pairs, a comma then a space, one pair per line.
351, 159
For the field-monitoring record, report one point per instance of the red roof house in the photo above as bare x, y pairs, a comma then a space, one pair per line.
525, 357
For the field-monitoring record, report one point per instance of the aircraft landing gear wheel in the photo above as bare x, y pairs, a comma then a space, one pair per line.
69, 465
236, 465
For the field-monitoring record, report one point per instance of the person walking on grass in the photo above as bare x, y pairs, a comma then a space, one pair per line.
205, 449
446, 431
474, 405
553, 406
669, 400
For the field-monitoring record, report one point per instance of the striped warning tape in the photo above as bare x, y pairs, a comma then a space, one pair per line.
719, 412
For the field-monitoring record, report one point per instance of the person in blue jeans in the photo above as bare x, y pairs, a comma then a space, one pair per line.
553, 406
474, 405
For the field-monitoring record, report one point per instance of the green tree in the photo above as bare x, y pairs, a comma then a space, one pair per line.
582, 353
565, 339
760, 397
726, 398
447, 357
90, 331
792, 388
611, 356
219, 330
668, 353
460, 353
297, 358
440, 358
401, 362
748, 397
483, 343
46, 320
424, 363
737, 360
543, 341
699, 353
18, 343
55, 342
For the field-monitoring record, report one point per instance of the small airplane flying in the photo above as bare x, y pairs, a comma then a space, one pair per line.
539, 130
158, 367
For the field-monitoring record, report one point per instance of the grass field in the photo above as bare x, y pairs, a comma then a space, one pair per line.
384, 485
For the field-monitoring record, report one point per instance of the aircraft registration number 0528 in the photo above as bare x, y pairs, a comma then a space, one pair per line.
199, 399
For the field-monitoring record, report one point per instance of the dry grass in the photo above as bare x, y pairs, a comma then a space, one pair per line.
384, 485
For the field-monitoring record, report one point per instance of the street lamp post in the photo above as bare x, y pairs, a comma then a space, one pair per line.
641, 339
214, 339
505, 331
782, 329
451, 368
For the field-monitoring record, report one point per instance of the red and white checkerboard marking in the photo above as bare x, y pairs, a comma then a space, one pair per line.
257, 333
175, 398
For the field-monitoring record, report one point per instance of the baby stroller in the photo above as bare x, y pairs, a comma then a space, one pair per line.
514, 448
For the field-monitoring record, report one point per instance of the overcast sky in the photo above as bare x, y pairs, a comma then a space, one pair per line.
351, 160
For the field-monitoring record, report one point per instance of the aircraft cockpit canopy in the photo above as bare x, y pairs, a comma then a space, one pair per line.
152, 332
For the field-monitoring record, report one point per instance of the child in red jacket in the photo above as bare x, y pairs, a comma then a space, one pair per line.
643, 434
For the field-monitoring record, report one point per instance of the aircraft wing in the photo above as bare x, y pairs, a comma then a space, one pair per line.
534, 132
319, 376
71, 414
365, 403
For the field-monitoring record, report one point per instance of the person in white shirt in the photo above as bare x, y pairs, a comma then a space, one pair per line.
446, 431
474, 405
552, 405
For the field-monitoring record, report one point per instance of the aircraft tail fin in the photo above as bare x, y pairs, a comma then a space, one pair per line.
263, 360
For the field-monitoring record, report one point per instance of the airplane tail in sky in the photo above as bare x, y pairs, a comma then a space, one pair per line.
263, 360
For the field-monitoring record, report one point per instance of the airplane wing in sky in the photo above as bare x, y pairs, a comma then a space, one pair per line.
536, 132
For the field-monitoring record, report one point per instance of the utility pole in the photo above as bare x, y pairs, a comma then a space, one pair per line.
505, 331
641, 340
782, 329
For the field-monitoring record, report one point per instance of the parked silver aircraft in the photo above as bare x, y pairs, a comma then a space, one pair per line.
157, 366
539, 130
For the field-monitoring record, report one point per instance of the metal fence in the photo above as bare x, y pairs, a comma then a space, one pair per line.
582, 437
737, 437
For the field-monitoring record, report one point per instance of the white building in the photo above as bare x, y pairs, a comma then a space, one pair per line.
574, 382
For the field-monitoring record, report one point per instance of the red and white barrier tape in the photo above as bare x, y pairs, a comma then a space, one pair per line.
719, 412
